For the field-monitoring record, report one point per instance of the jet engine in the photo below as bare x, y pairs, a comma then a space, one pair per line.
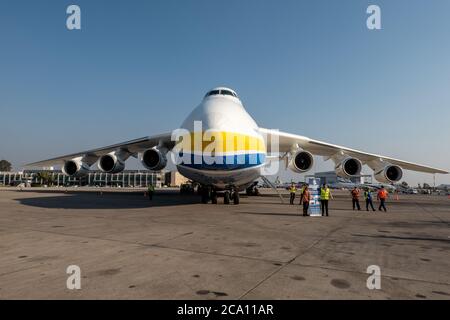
112, 162
389, 174
75, 168
154, 159
301, 161
348, 167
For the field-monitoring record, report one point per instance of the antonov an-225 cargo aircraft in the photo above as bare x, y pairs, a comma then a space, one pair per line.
221, 147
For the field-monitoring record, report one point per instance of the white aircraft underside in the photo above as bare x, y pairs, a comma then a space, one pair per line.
222, 113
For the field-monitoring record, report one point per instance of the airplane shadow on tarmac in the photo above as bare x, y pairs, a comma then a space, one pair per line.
115, 200
273, 213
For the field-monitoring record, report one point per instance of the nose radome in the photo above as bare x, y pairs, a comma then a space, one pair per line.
218, 121
220, 114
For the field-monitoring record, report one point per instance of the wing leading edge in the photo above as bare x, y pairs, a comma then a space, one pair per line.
287, 141
132, 147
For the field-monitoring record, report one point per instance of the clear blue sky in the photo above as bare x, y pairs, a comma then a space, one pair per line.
309, 67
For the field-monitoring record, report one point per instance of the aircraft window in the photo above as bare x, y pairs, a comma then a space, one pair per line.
213, 92
226, 93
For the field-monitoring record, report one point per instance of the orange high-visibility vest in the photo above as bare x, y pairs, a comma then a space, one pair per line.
382, 194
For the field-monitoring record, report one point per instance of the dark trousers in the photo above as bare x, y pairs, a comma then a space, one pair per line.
150, 195
305, 208
356, 204
382, 201
324, 206
369, 203
292, 198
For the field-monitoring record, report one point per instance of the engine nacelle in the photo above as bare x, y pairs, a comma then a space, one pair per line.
154, 159
389, 174
111, 163
75, 168
301, 161
348, 167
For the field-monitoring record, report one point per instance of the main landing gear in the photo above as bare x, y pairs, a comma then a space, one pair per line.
252, 190
210, 194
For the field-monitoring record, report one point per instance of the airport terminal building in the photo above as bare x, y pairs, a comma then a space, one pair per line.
125, 179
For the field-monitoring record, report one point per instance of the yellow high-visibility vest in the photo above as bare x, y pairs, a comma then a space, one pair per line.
324, 194
293, 189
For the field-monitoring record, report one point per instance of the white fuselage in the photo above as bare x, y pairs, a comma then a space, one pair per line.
241, 164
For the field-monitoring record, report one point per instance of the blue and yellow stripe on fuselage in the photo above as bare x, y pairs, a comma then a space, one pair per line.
221, 150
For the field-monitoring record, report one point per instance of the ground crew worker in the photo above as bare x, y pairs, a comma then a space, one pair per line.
355, 198
325, 195
305, 198
292, 190
368, 198
150, 191
382, 196
301, 192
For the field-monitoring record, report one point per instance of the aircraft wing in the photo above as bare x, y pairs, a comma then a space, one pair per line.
288, 141
131, 147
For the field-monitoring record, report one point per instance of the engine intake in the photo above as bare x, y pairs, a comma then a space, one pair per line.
389, 174
75, 168
154, 159
111, 163
349, 167
301, 161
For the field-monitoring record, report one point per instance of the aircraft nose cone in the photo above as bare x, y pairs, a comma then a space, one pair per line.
217, 121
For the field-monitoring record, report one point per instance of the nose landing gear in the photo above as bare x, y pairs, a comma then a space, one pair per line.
213, 197
229, 195
235, 197
211, 194
226, 197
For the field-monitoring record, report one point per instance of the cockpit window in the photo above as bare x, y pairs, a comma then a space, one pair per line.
226, 93
213, 92
223, 92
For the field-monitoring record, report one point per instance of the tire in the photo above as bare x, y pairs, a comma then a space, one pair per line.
214, 197
236, 197
226, 197
205, 195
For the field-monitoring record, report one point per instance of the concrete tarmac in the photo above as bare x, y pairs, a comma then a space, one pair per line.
176, 248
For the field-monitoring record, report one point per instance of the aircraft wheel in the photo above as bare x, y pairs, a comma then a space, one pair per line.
214, 197
236, 197
205, 195
226, 197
